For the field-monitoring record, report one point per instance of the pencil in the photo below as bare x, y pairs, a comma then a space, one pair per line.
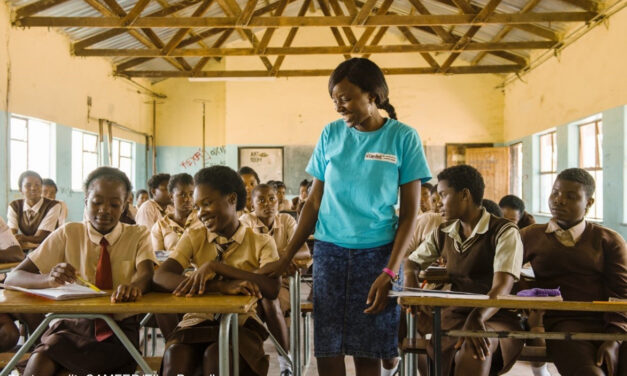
91, 286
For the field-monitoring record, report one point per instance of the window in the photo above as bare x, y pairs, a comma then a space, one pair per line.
591, 159
516, 168
122, 153
30, 149
84, 157
548, 169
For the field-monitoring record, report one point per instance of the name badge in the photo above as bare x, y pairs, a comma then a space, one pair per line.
381, 157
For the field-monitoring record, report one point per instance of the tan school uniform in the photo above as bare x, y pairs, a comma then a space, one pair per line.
282, 230
166, 232
150, 212
71, 342
245, 250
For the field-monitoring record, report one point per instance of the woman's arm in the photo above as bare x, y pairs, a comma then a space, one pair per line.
269, 286
27, 275
168, 276
140, 284
409, 205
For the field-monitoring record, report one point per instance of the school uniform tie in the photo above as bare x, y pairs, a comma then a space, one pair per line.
30, 214
222, 245
104, 281
565, 237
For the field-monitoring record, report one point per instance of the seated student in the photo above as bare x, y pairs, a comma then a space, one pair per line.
435, 200
514, 209
33, 218
267, 220
284, 204
588, 262
142, 196
484, 256
111, 255
425, 203
49, 190
10, 251
492, 207
251, 179
131, 209
227, 254
303, 192
165, 234
158, 205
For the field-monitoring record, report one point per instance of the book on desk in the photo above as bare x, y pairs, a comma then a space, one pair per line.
425, 293
66, 292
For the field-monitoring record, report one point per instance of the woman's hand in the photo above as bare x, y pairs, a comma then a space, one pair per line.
126, 293
275, 269
61, 274
480, 345
608, 355
240, 287
196, 282
378, 295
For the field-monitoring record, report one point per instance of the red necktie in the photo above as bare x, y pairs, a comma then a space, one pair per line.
104, 281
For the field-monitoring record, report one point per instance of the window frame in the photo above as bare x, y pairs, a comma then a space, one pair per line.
132, 156
26, 140
83, 133
598, 162
516, 181
552, 171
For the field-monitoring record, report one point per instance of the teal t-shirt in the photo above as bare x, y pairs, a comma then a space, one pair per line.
362, 173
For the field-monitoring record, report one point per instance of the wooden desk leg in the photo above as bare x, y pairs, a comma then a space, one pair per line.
437, 341
235, 343
411, 364
223, 343
295, 323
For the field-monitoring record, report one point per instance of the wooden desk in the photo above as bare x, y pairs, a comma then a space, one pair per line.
437, 303
229, 306
7, 267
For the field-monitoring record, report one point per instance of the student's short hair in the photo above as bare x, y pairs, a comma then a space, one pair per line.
225, 180
28, 174
492, 208
428, 186
581, 176
155, 181
278, 184
434, 189
141, 192
245, 170
50, 183
464, 177
304, 183
512, 202
259, 187
184, 179
107, 173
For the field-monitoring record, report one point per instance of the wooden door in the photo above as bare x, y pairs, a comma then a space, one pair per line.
493, 164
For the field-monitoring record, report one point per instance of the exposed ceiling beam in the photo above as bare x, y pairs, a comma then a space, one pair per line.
306, 21
478, 69
36, 7
589, 5
319, 50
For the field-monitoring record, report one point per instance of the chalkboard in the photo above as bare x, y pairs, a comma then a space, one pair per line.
266, 161
296, 159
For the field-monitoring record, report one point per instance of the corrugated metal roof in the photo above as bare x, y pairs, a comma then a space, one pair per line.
78, 8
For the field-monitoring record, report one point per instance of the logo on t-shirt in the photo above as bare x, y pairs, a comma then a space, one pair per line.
381, 157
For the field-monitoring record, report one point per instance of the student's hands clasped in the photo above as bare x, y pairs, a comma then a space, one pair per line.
196, 282
126, 293
608, 355
479, 345
61, 274
378, 295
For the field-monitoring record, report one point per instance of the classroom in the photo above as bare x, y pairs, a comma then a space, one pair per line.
170, 148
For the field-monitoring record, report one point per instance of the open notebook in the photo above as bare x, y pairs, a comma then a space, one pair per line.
67, 292
437, 294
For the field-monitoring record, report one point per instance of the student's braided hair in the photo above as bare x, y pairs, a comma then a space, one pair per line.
368, 77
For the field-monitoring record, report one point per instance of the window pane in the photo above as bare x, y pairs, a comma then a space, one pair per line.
600, 143
90, 142
547, 152
77, 160
588, 142
18, 161
90, 163
546, 186
18, 129
115, 155
125, 149
39, 148
126, 167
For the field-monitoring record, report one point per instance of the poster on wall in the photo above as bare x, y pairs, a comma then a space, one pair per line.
266, 161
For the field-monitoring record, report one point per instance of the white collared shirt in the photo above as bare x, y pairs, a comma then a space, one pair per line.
49, 223
7, 239
568, 237
508, 255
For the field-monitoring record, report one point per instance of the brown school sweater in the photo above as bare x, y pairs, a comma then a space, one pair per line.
29, 228
594, 269
526, 220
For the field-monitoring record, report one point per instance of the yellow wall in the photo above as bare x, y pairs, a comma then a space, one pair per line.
48, 83
292, 111
588, 78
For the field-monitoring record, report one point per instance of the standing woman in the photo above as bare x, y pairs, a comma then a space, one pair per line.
358, 165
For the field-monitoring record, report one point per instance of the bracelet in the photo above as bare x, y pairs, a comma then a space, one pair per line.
391, 273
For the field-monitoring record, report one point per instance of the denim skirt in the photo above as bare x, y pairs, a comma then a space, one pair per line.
342, 278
